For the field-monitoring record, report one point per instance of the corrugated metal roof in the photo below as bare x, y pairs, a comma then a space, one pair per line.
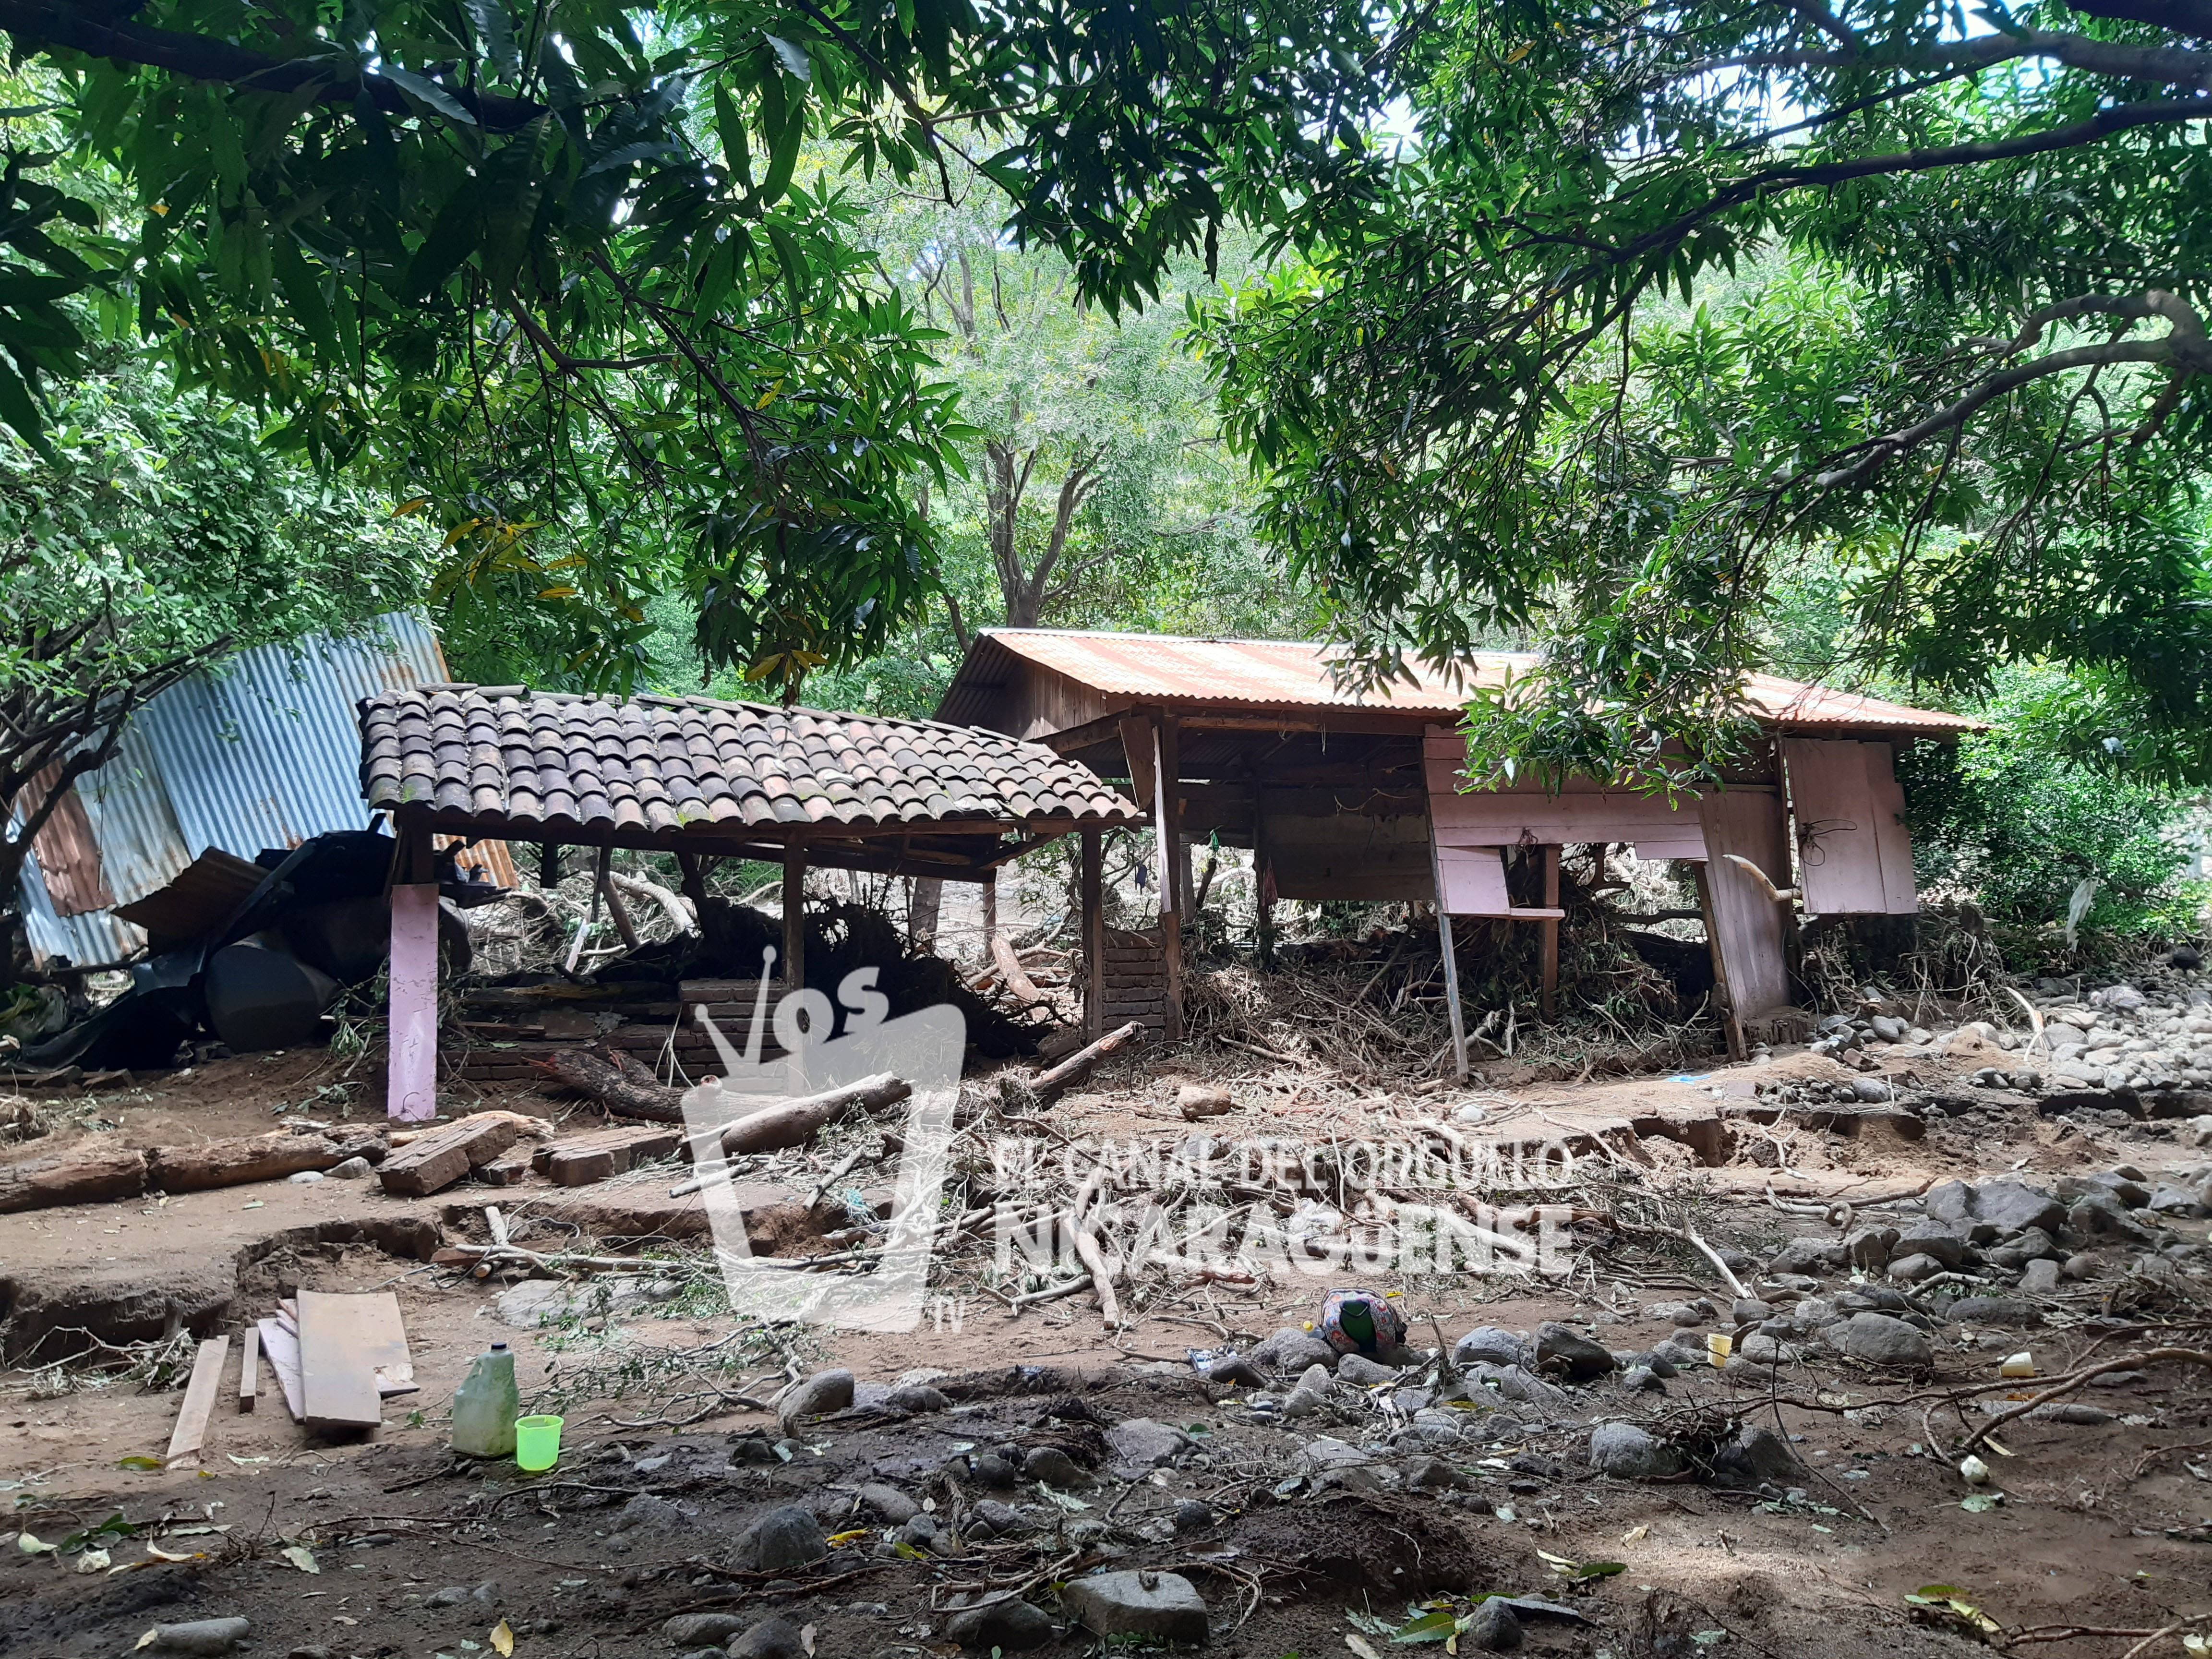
261, 750
1291, 674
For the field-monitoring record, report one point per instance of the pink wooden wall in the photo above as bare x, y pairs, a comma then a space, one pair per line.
1853, 852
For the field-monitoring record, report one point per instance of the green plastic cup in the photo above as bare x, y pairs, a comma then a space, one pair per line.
537, 1443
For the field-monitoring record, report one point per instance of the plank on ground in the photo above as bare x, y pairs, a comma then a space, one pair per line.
249, 1367
338, 1356
191, 1432
283, 1349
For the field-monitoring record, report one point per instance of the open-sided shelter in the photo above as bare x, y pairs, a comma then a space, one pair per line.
701, 778
1345, 795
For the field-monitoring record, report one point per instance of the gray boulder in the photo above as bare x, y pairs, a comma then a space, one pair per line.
1566, 1349
771, 1638
1054, 1467
1912, 1269
1809, 1255
1869, 1249
1523, 1387
1143, 1442
2039, 1278
916, 1398
888, 1503
1311, 1392
1492, 1627
2013, 1207
200, 1636
1163, 1605
1876, 1339
1628, 1453
788, 1536
1488, 1343
703, 1630
1922, 1239
1011, 1625
1757, 1457
2100, 1215
1292, 1350
815, 1396
1363, 1372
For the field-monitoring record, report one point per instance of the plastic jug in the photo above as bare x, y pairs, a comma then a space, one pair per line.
486, 1405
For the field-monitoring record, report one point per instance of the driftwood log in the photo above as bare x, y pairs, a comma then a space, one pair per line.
244, 1158
628, 1091
73, 1177
1073, 1070
797, 1122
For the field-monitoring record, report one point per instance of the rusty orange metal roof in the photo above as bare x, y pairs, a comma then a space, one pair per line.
1298, 675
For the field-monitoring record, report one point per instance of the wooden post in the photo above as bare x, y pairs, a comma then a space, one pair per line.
1731, 1017
990, 913
1451, 963
548, 864
1174, 875
921, 912
1547, 933
1094, 934
1263, 888
616, 907
411, 1062
794, 914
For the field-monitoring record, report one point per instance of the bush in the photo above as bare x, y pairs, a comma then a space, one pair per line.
2008, 819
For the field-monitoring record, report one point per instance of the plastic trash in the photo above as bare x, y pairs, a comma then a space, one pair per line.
486, 1405
2020, 1365
1973, 1471
537, 1443
1718, 1348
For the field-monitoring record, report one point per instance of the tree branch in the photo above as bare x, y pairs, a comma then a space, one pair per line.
335, 77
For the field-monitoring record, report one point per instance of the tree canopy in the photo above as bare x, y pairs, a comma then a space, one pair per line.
1659, 300
555, 270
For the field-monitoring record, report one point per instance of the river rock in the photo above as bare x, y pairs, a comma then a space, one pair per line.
1146, 1443
1566, 1348
1879, 1340
1628, 1453
815, 1396
1489, 1343
1163, 1605
787, 1536
1012, 1626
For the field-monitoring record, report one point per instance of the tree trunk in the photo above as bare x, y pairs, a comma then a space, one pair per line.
614, 1089
246, 1159
73, 1177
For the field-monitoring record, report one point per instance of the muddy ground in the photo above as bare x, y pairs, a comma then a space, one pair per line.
1319, 1535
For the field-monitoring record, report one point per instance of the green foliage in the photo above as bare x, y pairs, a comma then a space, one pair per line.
555, 275
2011, 818
151, 532
1660, 303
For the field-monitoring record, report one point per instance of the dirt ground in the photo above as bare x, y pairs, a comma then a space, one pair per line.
389, 1547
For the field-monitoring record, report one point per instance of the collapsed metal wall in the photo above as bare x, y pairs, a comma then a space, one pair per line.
261, 750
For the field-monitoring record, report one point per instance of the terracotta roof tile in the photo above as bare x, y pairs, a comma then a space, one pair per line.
549, 759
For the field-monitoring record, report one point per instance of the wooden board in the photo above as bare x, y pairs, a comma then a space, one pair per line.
1749, 928
436, 1160
249, 1368
282, 1349
411, 1064
191, 1432
338, 1356
1473, 881
579, 1160
386, 1336
1854, 856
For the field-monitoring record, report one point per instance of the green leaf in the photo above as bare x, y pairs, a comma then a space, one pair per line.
793, 59
21, 410
495, 35
424, 90
453, 236
305, 295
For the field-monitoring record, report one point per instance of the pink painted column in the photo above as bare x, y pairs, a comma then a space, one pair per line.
412, 1094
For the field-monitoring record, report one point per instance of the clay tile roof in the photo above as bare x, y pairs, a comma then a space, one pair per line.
559, 762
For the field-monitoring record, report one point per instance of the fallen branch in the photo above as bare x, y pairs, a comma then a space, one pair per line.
798, 1121
1077, 1065
1086, 1248
2065, 1385
614, 1088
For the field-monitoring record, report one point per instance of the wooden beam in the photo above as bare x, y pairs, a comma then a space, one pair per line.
249, 1368
616, 907
191, 1432
411, 1065
794, 914
338, 1364
1731, 1016
990, 914
1548, 934
1175, 873
1451, 969
1093, 884
1263, 894
1107, 728
283, 1347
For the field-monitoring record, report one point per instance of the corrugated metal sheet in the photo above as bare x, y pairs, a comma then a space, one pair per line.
65, 847
263, 750
1290, 674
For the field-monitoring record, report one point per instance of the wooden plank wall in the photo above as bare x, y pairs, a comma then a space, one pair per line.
1853, 853
1749, 928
